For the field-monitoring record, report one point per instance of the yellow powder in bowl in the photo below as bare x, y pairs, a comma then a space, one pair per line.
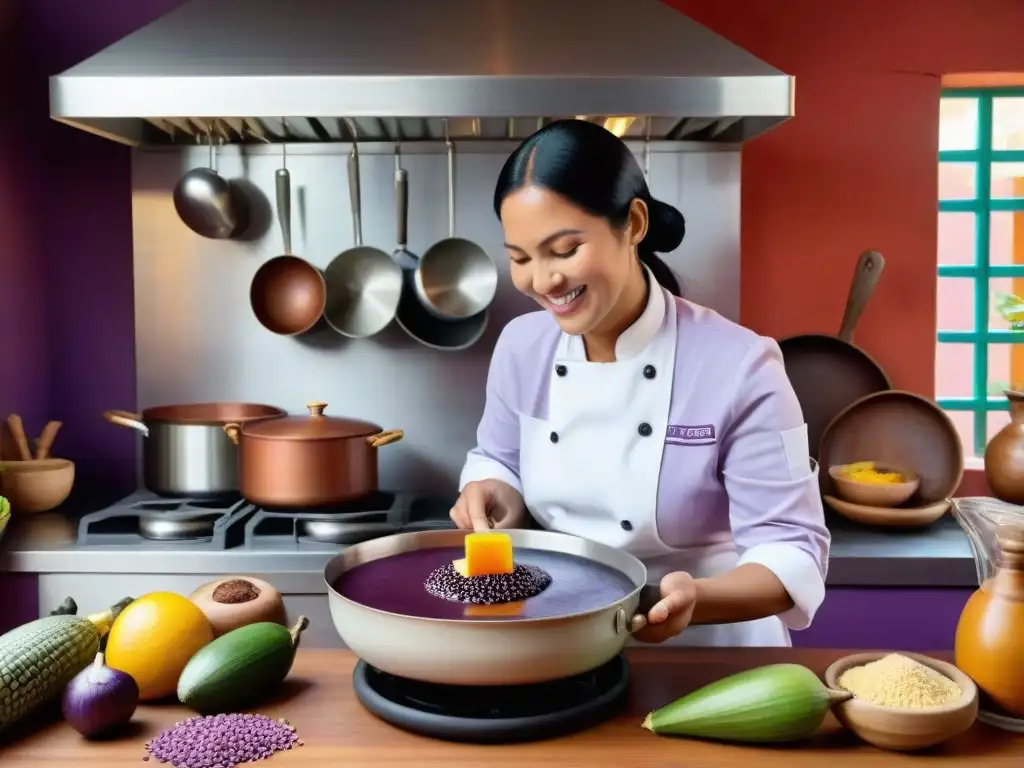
901, 683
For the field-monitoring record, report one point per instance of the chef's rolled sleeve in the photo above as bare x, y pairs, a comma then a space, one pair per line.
496, 455
775, 507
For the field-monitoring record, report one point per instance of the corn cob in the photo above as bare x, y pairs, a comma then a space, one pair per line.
38, 659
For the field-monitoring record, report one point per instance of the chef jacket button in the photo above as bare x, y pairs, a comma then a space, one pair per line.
650, 372
645, 429
626, 525
554, 437
561, 370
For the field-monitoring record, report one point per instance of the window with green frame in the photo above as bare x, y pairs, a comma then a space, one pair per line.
981, 255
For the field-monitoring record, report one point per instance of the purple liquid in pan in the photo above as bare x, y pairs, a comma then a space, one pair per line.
395, 584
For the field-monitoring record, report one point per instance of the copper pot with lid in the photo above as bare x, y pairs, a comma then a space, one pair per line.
311, 460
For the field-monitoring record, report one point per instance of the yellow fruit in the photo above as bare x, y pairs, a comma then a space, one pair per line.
153, 639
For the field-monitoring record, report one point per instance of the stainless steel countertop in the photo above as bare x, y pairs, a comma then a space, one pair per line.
938, 556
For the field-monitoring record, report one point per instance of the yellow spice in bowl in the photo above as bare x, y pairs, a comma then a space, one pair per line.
899, 682
867, 472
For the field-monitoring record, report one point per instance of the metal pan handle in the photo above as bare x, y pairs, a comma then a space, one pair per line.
127, 419
650, 594
865, 278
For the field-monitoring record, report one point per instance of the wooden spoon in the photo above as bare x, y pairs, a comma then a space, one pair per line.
17, 428
46, 438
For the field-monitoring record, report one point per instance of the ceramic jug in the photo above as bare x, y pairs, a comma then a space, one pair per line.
1004, 455
988, 645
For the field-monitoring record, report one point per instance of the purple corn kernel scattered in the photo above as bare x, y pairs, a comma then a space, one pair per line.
221, 741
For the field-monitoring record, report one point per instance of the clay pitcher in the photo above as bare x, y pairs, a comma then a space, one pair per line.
1004, 455
988, 646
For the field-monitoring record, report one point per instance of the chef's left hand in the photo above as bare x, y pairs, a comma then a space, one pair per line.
672, 613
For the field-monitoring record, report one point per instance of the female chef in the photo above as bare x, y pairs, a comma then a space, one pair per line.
624, 414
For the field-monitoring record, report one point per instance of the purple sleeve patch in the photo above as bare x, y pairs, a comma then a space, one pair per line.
702, 434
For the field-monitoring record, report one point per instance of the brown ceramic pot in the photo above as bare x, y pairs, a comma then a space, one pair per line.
987, 645
1004, 455
308, 461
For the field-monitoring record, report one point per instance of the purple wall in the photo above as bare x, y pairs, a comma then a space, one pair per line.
67, 345
66, 286
84, 246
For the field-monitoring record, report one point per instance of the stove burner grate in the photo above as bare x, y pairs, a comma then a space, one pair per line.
495, 714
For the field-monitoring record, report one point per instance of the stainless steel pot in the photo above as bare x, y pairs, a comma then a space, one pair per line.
186, 452
493, 652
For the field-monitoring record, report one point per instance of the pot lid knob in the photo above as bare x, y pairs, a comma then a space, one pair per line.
316, 408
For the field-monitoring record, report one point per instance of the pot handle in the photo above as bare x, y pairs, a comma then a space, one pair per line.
649, 595
384, 438
127, 419
233, 430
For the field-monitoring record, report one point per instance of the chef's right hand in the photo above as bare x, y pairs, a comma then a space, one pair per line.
487, 504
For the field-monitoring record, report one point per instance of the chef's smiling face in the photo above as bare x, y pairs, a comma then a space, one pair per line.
574, 264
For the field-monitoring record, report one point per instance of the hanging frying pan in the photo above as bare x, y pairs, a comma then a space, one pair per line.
828, 373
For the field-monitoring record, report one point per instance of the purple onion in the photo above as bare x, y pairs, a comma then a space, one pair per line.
99, 699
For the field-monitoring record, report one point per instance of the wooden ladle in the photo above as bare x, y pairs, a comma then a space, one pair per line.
45, 440
17, 430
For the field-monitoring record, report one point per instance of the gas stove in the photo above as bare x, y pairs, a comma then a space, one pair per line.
227, 523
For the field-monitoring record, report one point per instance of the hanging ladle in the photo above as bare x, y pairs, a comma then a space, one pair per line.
204, 201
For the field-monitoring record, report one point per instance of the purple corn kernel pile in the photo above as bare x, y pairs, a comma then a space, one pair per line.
222, 741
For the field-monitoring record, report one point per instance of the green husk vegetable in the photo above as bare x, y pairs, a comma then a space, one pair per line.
772, 704
39, 658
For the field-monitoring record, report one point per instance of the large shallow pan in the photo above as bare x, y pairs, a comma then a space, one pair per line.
829, 372
492, 652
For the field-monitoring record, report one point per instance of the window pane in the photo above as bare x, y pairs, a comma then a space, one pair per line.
954, 304
997, 286
1007, 180
958, 124
999, 375
954, 370
1005, 368
956, 238
964, 422
957, 181
1007, 123
1006, 237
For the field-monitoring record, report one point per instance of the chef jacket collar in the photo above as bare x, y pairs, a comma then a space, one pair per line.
635, 339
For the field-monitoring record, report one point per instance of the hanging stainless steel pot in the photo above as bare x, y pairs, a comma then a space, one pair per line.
186, 452
494, 652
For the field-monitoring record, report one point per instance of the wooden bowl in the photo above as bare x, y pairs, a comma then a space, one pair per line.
898, 429
36, 486
889, 517
875, 495
905, 730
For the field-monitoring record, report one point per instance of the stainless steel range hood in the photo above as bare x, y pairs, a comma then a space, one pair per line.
322, 70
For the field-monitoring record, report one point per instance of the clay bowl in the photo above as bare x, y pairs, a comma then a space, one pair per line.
889, 517
875, 495
899, 429
904, 730
36, 486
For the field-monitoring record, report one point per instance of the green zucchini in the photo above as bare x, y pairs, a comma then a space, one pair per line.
772, 704
39, 658
239, 668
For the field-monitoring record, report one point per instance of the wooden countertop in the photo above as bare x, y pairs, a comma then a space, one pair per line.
319, 702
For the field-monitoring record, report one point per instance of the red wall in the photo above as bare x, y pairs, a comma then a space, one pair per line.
856, 168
